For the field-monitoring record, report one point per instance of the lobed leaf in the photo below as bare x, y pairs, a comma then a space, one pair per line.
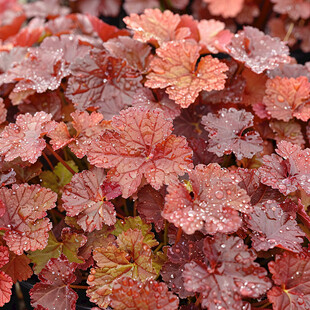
209, 202
87, 197
175, 68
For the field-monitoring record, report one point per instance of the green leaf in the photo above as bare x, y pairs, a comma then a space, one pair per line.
59, 177
136, 223
69, 246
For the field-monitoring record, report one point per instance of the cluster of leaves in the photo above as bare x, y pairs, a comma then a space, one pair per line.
164, 165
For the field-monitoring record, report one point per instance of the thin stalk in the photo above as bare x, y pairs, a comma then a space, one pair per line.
179, 235
289, 32
120, 216
48, 161
125, 207
135, 208
263, 16
158, 247
166, 232
79, 287
60, 159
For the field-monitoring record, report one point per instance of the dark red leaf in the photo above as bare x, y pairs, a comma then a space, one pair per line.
228, 274
291, 274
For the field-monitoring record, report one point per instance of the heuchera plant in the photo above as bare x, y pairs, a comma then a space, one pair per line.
155, 154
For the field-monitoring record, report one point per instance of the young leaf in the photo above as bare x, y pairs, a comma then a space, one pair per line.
130, 256
225, 8
69, 246
59, 177
136, 223
228, 274
129, 294
54, 290
175, 67
209, 202
156, 27
87, 197
141, 144
290, 273
226, 133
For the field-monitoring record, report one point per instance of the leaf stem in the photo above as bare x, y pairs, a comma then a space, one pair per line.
158, 247
289, 32
48, 161
166, 232
79, 287
179, 235
135, 208
60, 159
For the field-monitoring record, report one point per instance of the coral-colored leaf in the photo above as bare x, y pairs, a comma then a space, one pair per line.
141, 144
156, 27
287, 171
6, 284
228, 274
3, 112
54, 290
130, 257
294, 8
4, 255
175, 68
24, 223
87, 197
257, 50
23, 139
213, 35
102, 81
290, 272
272, 227
210, 201
225, 8
104, 30
287, 98
226, 133
87, 127
129, 294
